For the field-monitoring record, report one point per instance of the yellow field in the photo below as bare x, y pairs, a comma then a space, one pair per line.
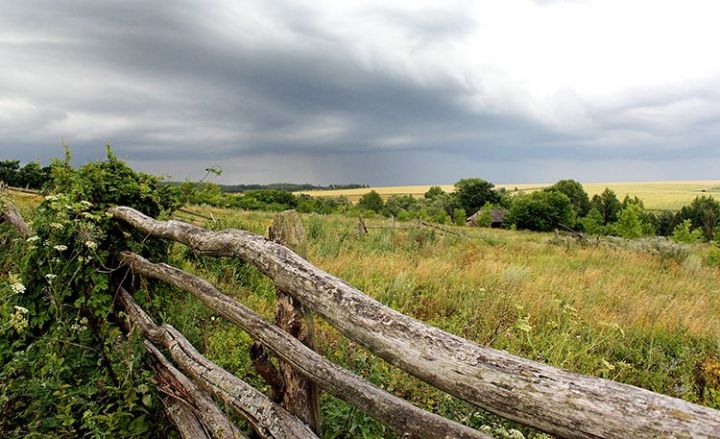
656, 195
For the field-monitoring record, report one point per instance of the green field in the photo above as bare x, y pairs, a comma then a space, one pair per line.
657, 195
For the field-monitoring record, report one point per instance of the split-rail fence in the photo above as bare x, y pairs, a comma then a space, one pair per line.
556, 401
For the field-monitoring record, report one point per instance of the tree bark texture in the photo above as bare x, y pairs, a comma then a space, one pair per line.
268, 420
192, 410
300, 395
11, 214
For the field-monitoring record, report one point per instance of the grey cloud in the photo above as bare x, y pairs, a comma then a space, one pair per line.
173, 94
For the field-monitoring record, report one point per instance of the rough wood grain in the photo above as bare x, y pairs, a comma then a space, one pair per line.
550, 399
10, 214
185, 401
268, 420
300, 395
394, 412
187, 424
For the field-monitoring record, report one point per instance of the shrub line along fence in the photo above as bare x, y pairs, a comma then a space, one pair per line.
559, 402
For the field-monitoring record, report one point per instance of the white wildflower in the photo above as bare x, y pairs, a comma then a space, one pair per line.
33, 238
50, 276
92, 245
60, 248
51, 198
86, 203
17, 287
19, 319
57, 226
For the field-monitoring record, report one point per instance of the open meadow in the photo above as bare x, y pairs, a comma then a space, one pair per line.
615, 309
656, 195
643, 312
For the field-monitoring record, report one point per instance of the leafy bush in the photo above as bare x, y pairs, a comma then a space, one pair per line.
576, 193
543, 211
686, 234
67, 370
371, 201
473, 193
608, 205
703, 213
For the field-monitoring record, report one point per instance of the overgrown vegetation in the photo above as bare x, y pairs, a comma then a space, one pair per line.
633, 308
67, 370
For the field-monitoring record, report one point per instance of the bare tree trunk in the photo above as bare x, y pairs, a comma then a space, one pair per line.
300, 395
547, 398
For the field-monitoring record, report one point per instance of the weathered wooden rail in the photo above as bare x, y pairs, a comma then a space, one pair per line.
550, 399
556, 401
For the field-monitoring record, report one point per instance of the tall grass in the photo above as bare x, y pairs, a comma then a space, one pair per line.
619, 311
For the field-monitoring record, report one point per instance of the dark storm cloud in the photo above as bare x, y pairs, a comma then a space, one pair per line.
176, 87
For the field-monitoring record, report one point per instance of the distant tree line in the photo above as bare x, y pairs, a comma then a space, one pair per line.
564, 205
30, 176
288, 187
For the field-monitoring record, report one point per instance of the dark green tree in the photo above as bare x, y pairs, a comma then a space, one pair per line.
575, 191
371, 201
543, 211
473, 193
608, 205
33, 176
703, 213
433, 192
10, 172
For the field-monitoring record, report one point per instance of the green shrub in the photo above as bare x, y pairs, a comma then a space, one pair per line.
543, 211
686, 234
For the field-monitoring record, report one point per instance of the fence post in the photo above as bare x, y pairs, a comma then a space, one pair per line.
300, 396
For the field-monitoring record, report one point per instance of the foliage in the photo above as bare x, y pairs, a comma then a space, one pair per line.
32, 175
665, 223
433, 192
684, 233
67, 371
608, 205
576, 193
703, 213
541, 211
371, 201
473, 193
593, 222
629, 224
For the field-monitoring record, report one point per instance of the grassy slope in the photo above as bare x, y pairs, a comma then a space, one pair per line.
656, 195
610, 312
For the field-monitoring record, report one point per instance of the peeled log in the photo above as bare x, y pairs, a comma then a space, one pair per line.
394, 412
10, 214
550, 399
269, 420
192, 410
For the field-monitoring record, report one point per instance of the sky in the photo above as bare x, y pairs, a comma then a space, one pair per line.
374, 92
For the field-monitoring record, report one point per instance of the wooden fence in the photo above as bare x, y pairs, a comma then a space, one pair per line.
553, 400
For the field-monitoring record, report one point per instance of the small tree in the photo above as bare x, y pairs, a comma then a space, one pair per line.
704, 213
686, 234
473, 193
608, 205
371, 201
543, 211
575, 191
433, 192
593, 222
629, 224
459, 216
